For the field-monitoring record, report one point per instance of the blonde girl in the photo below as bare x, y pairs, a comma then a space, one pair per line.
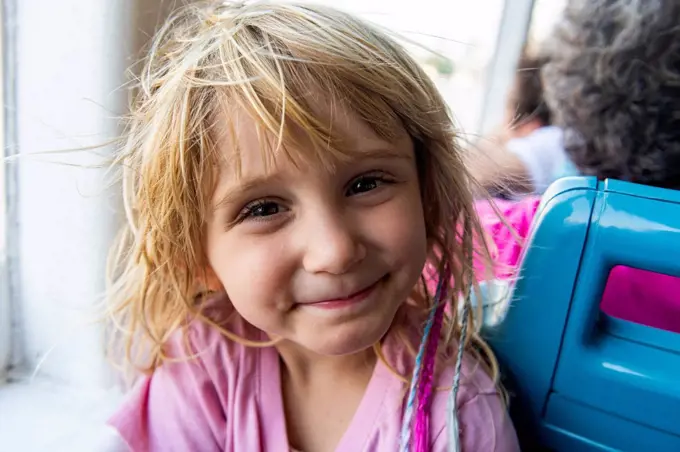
289, 172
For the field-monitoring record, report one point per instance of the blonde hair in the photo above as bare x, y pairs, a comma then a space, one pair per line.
263, 58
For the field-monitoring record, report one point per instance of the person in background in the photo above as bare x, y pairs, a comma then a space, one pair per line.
612, 83
528, 155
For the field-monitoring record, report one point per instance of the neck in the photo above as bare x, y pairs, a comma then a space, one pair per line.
304, 367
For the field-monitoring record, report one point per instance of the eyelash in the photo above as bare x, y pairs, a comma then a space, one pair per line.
247, 213
379, 177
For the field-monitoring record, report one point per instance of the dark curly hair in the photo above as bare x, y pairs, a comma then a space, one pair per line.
527, 97
613, 84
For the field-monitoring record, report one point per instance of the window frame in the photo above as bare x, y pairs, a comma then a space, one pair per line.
9, 194
512, 35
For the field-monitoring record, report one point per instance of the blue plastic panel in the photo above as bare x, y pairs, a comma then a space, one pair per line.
530, 336
583, 428
630, 371
583, 380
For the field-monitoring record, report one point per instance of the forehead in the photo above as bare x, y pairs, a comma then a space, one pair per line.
247, 148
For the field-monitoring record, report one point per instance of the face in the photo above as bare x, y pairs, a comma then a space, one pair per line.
322, 259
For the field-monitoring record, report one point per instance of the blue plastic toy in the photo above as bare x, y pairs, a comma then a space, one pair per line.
580, 380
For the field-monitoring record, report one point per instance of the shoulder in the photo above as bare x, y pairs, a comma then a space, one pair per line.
484, 422
216, 340
548, 139
186, 400
211, 346
542, 153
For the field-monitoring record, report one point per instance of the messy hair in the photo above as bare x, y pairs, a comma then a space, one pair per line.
613, 84
262, 58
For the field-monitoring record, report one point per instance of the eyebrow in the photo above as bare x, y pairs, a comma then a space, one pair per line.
251, 183
383, 153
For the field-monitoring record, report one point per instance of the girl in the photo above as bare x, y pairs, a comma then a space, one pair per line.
289, 171
612, 82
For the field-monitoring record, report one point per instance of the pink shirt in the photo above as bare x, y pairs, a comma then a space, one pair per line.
229, 399
634, 295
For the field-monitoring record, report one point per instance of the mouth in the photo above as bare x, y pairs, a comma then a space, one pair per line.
351, 300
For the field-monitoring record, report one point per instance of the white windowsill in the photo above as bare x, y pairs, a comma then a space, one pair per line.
42, 416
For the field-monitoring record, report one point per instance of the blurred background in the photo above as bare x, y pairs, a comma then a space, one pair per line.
66, 65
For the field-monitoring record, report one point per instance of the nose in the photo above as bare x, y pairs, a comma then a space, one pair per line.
332, 245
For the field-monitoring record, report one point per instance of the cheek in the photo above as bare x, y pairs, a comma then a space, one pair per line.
403, 232
415, 243
252, 272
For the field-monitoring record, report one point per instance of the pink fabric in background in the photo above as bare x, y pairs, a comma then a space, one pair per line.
631, 294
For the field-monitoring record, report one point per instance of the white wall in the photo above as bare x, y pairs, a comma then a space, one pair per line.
71, 59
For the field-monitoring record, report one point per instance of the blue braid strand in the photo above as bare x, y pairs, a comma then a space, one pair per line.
452, 420
407, 422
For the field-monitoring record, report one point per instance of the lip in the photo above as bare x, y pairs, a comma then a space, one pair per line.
352, 300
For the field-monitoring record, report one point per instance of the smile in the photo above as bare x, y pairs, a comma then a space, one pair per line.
352, 301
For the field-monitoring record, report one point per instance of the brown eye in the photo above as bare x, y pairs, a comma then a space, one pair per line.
261, 210
264, 209
365, 184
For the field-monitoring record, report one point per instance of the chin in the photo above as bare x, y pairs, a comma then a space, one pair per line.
347, 339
